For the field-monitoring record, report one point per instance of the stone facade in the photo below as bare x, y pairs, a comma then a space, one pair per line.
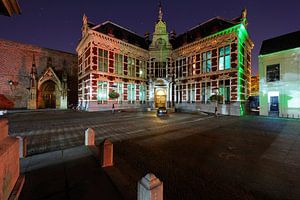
23, 70
181, 72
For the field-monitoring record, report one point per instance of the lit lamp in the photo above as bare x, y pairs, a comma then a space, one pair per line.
10, 82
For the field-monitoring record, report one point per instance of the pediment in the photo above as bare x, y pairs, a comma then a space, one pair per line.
49, 74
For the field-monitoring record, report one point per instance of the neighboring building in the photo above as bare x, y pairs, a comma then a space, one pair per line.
9, 7
33, 77
254, 86
279, 72
171, 71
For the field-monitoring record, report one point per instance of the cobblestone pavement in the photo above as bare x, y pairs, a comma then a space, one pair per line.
196, 156
48, 131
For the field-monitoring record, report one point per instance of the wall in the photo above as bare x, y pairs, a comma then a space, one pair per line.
15, 65
287, 87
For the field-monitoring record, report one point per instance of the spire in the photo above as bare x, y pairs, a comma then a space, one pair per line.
244, 17
84, 28
160, 12
33, 67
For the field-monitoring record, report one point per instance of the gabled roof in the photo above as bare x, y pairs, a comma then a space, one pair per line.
121, 33
280, 43
203, 30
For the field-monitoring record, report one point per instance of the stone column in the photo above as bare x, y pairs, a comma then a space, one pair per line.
89, 137
106, 153
150, 188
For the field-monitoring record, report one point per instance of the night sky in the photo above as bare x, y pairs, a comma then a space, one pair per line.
56, 24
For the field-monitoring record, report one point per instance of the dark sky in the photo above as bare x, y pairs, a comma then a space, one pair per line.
56, 24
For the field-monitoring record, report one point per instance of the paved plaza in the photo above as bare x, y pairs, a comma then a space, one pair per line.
196, 156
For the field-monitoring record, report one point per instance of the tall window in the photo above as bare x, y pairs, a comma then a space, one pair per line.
143, 70
206, 62
131, 67
119, 64
131, 92
224, 90
203, 92
224, 58
206, 91
192, 65
273, 73
103, 60
142, 93
191, 93
119, 90
102, 91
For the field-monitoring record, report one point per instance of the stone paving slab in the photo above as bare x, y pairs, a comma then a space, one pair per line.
67, 174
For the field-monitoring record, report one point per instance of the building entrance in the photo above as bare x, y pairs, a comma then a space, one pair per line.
274, 105
160, 98
49, 94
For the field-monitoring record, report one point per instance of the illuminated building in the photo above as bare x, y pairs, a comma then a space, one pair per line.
171, 71
279, 72
254, 86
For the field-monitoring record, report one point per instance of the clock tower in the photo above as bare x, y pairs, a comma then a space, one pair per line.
160, 72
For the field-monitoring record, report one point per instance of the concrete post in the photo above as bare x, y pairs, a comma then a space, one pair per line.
150, 188
23, 141
89, 137
106, 153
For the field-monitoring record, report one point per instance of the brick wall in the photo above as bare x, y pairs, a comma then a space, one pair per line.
15, 65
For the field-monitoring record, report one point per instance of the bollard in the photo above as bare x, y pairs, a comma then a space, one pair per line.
106, 153
89, 137
23, 141
150, 188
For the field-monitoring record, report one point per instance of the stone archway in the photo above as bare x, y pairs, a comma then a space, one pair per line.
48, 95
160, 97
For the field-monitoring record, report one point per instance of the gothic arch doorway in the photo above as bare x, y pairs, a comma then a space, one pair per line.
48, 94
160, 97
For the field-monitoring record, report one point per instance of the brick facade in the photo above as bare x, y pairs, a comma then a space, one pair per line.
15, 65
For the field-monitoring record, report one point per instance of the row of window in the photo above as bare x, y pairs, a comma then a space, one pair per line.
206, 91
103, 91
202, 63
109, 61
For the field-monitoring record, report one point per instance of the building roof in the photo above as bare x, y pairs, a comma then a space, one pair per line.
280, 43
203, 30
121, 33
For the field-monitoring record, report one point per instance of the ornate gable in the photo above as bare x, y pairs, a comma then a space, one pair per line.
49, 74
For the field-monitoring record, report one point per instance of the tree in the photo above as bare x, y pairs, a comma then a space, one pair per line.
113, 94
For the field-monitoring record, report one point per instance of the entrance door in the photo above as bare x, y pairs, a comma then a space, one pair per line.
274, 105
49, 95
160, 98
49, 100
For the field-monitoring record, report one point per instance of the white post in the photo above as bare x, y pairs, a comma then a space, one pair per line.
89, 137
150, 188
23, 146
